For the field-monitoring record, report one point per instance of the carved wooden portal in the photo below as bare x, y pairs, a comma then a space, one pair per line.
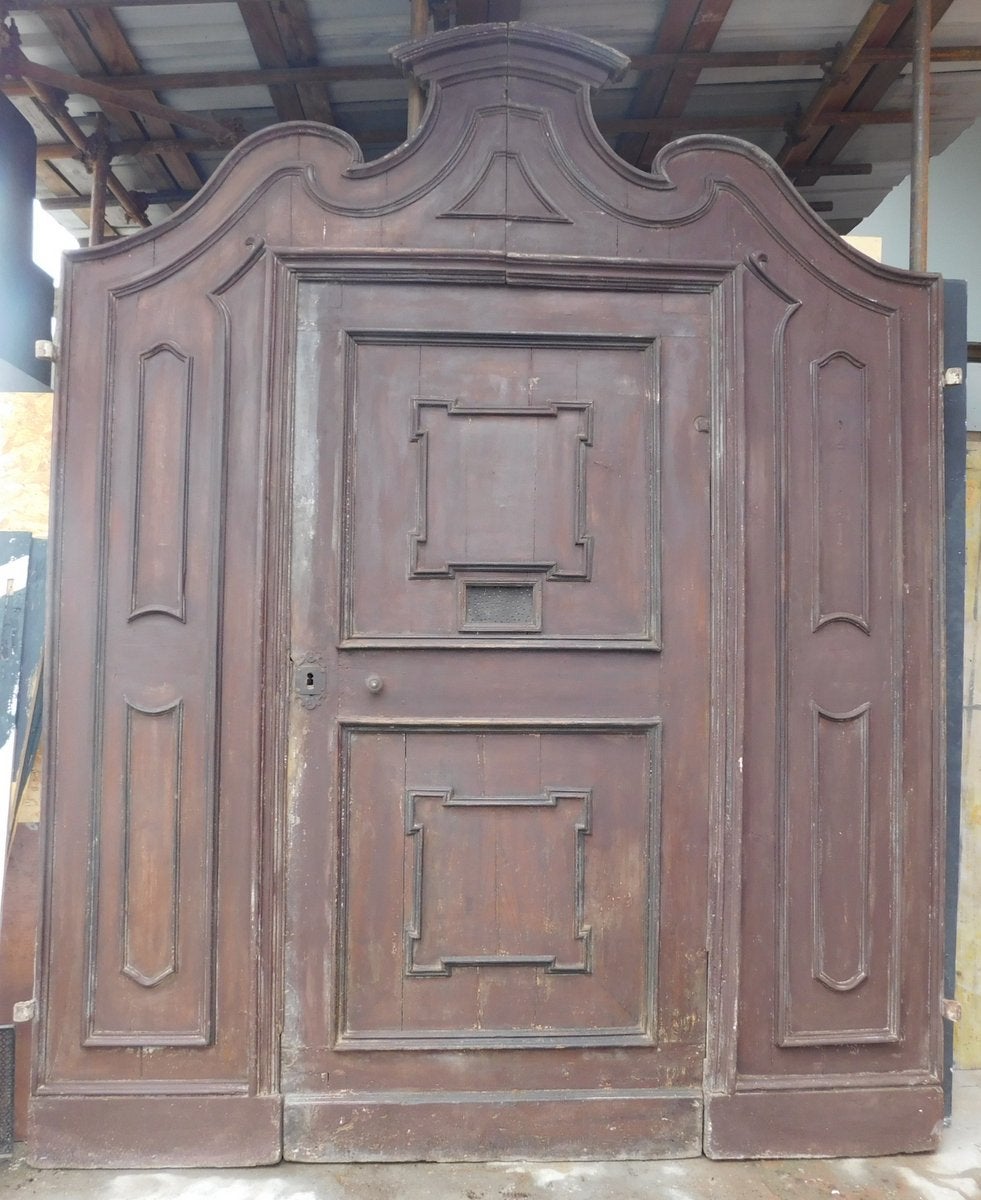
494, 689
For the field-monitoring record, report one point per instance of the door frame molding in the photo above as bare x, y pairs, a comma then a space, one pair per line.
721, 282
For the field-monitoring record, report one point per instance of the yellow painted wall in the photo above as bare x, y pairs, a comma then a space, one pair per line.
967, 1036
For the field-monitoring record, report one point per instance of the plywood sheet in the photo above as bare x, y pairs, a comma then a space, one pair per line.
25, 460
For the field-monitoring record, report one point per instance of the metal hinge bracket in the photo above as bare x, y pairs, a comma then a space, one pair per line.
951, 1010
25, 1010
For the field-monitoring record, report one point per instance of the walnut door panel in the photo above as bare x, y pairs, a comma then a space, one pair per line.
523, 873
157, 969
839, 938
507, 836
504, 468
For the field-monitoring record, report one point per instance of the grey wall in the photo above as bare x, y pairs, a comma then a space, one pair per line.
26, 293
954, 237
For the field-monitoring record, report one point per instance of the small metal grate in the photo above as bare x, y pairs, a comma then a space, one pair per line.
500, 604
6, 1090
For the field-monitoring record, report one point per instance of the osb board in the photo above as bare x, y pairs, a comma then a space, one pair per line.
967, 1038
25, 461
29, 809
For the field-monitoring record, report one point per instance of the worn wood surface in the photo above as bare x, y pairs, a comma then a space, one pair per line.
18, 946
967, 1035
496, 647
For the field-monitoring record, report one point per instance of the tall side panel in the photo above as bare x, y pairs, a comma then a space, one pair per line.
839, 966
152, 891
151, 984
840, 626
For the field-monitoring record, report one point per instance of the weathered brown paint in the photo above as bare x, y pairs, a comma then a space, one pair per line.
495, 656
18, 947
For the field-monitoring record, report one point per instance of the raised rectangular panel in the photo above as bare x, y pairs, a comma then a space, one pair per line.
547, 929
150, 970
161, 469
151, 964
840, 412
516, 895
493, 454
840, 851
151, 842
475, 519
839, 976
839, 684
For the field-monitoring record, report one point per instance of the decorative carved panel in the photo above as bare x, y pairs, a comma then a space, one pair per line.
506, 190
841, 734
160, 521
841, 489
151, 842
507, 881
503, 470
437, 834
489, 460
840, 871
150, 978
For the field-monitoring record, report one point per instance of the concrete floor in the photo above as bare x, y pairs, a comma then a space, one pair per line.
953, 1173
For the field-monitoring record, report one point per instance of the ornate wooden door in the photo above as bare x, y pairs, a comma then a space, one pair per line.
494, 682
499, 803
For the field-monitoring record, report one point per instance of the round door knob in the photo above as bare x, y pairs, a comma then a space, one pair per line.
374, 684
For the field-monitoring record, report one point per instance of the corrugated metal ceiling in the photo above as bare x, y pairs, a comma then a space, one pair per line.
165, 39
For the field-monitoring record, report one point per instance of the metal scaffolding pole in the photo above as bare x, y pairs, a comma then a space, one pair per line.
418, 28
920, 175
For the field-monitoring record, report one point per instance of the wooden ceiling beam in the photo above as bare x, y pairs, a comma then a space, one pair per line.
136, 147
807, 176
71, 40
42, 6
300, 47
476, 12
141, 147
701, 36
97, 43
53, 107
282, 37
727, 121
672, 31
108, 40
264, 36
874, 86
169, 196
836, 76
130, 148
129, 102
53, 181
263, 77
